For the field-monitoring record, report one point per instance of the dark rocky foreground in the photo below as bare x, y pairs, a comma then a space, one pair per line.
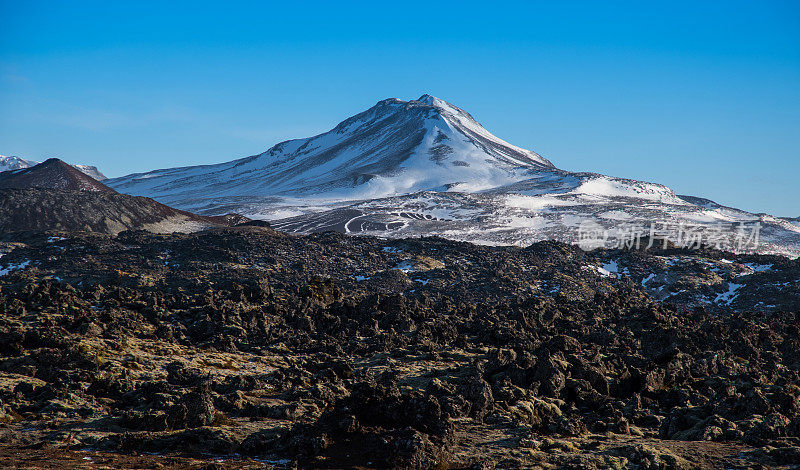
248, 348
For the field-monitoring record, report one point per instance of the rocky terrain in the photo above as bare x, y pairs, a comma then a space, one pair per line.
250, 348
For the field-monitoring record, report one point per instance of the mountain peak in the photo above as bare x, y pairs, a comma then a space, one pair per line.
429, 99
425, 101
14, 163
442, 106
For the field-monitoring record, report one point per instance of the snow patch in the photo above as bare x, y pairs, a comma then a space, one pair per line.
610, 267
758, 268
405, 266
613, 187
14, 267
726, 298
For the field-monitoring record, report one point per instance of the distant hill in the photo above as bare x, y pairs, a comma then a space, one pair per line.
52, 174
16, 163
53, 195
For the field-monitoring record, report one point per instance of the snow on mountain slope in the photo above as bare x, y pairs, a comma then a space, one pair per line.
794, 221
507, 218
426, 167
90, 170
16, 163
396, 147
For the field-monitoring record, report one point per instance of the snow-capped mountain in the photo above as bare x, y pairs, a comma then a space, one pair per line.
90, 170
427, 167
396, 147
16, 163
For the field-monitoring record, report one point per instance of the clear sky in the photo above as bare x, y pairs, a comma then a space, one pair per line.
701, 96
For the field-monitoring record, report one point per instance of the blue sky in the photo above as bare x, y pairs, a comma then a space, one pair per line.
701, 96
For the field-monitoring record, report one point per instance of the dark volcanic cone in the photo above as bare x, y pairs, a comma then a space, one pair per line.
55, 196
52, 174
